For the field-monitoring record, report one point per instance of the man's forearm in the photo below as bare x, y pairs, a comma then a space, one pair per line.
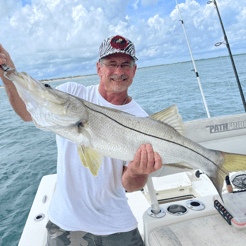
16, 102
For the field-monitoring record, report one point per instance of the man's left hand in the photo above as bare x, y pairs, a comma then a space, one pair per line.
145, 161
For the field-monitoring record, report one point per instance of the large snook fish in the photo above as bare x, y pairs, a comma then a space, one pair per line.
100, 131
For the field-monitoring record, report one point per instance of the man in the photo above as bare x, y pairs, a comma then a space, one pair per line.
87, 210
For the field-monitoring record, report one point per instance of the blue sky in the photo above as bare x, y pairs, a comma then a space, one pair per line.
59, 38
24, 2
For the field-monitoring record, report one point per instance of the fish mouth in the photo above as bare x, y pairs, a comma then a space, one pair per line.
35, 92
26, 82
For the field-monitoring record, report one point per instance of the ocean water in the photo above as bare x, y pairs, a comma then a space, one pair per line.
27, 153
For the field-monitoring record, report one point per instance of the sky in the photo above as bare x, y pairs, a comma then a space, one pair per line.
60, 38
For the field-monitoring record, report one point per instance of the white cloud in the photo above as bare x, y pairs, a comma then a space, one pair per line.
51, 38
49, 29
8, 8
242, 14
156, 22
135, 4
145, 3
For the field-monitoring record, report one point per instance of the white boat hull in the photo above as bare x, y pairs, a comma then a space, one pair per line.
227, 133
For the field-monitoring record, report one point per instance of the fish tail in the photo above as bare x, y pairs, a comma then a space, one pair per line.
232, 163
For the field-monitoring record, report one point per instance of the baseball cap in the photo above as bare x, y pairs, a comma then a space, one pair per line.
117, 44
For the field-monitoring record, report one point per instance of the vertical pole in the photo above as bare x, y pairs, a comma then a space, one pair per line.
155, 207
231, 57
197, 75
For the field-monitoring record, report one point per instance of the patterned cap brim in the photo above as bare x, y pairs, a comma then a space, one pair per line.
117, 44
119, 51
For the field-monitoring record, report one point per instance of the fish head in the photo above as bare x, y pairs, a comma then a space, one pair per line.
34, 92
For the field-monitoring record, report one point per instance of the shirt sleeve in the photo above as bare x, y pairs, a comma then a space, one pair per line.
63, 87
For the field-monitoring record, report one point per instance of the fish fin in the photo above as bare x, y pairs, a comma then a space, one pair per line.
181, 165
171, 117
218, 181
82, 155
232, 163
90, 158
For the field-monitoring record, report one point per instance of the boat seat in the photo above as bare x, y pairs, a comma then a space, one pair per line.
196, 231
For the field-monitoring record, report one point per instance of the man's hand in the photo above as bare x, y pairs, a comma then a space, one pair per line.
5, 58
14, 98
145, 162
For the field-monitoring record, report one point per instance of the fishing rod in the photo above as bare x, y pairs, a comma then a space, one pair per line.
229, 50
197, 75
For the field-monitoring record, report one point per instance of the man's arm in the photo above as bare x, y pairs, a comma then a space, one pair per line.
14, 98
145, 162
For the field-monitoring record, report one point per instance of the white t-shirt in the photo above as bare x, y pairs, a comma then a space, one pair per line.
82, 202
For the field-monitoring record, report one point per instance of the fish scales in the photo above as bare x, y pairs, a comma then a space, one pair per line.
132, 132
100, 131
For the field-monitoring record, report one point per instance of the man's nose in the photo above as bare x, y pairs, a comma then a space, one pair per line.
119, 71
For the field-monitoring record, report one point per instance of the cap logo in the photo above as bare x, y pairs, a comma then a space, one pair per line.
118, 42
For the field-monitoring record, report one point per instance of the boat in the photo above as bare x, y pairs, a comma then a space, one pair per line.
187, 213
179, 207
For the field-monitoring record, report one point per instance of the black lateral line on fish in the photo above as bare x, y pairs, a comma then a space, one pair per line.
154, 136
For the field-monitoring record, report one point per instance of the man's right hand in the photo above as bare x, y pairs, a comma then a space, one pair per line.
16, 102
5, 58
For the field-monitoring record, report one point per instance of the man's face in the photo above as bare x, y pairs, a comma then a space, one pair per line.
116, 72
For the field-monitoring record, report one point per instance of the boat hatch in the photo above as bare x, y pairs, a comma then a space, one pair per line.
171, 188
208, 230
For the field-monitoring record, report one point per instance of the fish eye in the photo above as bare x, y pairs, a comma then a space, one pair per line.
80, 124
46, 85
